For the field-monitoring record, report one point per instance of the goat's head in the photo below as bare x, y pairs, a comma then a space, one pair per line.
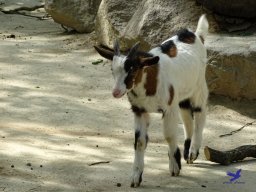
125, 67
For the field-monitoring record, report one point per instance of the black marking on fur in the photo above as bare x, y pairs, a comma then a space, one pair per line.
134, 61
140, 180
138, 111
128, 64
165, 47
197, 154
161, 111
133, 93
147, 139
197, 109
185, 104
186, 36
163, 114
186, 148
177, 157
128, 78
137, 135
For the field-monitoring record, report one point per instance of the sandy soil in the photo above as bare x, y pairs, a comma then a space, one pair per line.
58, 117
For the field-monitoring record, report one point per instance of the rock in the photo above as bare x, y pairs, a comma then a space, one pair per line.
77, 14
231, 69
232, 24
233, 8
112, 18
147, 21
11, 5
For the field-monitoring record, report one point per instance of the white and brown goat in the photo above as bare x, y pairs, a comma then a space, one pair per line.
169, 79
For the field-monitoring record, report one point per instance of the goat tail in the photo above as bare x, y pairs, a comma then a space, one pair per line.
202, 27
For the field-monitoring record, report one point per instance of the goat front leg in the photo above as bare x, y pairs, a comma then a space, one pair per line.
170, 133
200, 117
141, 138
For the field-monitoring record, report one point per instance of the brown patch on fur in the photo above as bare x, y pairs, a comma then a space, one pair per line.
186, 36
169, 48
189, 40
171, 93
134, 78
138, 77
202, 39
172, 52
151, 79
129, 81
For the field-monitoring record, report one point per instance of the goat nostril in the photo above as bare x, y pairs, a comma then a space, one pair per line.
116, 92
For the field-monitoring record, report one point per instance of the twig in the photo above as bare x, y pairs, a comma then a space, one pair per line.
22, 9
65, 28
24, 14
100, 162
235, 131
17, 11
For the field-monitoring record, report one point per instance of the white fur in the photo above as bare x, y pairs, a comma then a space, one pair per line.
186, 73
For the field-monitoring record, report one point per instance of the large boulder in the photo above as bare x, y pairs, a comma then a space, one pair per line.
147, 21
112, 19
231, 69
77, 14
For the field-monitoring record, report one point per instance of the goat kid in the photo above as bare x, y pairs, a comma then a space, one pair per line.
169, 79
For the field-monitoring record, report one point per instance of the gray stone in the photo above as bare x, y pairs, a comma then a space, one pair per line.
77, 14
232, 24
231, 69
112, 18
147, 21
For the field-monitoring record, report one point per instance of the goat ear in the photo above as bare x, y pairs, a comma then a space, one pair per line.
133, 50
148, 61
105, 52
116, 48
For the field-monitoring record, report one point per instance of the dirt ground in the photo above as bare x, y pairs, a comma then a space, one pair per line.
58, 117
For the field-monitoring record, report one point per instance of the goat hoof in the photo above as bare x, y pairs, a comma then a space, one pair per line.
175, 174
174, 169
192, 157
136, 180
134, 185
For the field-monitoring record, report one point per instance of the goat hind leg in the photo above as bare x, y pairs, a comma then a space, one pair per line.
199, 102
188, 122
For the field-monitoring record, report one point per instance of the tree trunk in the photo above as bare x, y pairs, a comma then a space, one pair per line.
228, 157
